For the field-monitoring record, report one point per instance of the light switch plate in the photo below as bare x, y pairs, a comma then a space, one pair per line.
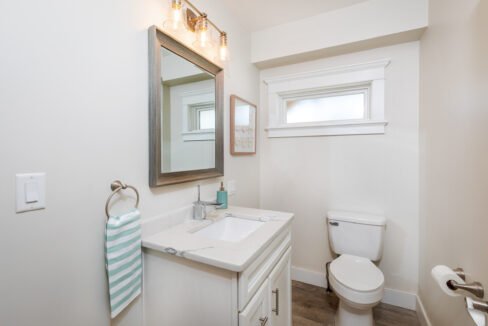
30, 191
231, 187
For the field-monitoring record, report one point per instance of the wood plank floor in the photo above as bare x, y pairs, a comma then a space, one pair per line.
313, 306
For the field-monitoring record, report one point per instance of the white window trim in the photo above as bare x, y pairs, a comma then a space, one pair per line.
198, 135
194, 115
279, 89
191, 98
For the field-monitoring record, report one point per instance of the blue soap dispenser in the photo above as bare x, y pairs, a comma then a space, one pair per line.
222, 196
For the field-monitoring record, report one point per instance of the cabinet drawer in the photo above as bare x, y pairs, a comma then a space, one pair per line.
257, 311
251, 279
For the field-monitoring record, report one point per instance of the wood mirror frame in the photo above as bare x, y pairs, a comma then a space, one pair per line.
158, 39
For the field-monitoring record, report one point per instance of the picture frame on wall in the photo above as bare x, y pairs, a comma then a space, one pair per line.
243, 126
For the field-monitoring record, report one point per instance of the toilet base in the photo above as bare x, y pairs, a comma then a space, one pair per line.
347, 315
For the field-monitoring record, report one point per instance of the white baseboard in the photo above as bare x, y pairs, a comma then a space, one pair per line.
422, 314
400, 299
307, 276
394, 297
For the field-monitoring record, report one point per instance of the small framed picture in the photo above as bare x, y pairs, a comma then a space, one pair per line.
243, 116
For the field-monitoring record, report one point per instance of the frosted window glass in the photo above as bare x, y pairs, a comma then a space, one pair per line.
206, 119
326, 108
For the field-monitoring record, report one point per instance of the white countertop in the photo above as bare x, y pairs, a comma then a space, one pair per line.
181, 240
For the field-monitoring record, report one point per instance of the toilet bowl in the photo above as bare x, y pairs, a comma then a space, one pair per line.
359, 285
358, 240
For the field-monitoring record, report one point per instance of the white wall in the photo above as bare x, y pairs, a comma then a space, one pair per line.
392, 21
74, 103
370, 173
454, 156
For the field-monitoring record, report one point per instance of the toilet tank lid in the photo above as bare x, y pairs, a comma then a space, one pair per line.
355, 217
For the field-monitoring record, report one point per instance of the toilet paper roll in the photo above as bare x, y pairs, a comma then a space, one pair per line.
478, 317
442, 274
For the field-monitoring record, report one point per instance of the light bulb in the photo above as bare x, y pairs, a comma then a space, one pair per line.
176, 13
202, 31
175, 20
223, 51
203, 38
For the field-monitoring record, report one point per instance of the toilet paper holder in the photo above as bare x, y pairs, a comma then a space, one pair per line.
479, 305
460, 272
475, 288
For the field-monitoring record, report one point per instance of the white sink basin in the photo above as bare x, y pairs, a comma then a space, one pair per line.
231, 229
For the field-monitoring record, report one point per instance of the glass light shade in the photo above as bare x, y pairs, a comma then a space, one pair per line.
203, 37
223, 53
208, 48
175, 21
223, 50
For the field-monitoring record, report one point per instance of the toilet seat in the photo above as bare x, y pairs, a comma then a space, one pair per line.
356, 279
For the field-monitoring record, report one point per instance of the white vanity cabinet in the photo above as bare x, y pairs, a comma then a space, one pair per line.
181, 292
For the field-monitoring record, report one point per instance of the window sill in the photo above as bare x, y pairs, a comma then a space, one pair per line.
198, 135
371, 127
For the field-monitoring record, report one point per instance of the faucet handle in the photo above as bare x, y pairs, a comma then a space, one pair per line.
198, 186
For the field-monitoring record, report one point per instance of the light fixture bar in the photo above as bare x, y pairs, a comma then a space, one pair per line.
200, 13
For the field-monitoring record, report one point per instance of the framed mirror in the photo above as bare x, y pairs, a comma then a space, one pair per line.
185, 113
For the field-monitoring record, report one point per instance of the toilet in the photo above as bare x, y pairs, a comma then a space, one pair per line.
358, 240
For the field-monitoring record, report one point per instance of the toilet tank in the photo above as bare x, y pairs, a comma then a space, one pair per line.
356, 234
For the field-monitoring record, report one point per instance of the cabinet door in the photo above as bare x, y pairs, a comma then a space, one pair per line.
257, 310
279, 292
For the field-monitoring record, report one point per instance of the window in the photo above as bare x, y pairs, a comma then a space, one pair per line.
345, 100
199, 122
201, 116
206, 119
328, 106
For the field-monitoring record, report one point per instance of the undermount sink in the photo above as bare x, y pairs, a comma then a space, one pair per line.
231, 229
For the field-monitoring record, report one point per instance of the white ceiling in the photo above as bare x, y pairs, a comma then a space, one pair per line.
261, 14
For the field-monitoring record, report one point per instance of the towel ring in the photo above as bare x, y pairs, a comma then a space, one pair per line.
117, 186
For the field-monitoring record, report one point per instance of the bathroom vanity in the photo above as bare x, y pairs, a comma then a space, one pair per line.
231, 269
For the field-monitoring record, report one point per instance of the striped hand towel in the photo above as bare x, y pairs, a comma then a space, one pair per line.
123, 259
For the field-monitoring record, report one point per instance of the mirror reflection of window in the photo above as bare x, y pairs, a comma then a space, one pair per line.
206, 119
201, 117
188, 115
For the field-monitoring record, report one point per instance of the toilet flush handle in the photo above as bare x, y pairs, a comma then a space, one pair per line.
333, 223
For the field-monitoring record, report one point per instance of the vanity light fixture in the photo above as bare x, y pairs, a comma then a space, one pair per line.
193, 20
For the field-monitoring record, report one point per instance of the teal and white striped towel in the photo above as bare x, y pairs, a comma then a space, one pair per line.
123, 259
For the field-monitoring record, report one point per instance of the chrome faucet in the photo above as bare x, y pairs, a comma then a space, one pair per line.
200, 207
